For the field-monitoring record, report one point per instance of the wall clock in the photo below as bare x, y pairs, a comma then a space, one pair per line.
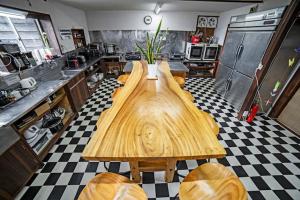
147, 19
212, 22
202, 21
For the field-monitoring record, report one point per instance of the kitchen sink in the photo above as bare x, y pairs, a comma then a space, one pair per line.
67, 74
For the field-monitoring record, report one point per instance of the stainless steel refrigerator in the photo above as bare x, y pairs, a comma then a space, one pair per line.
247, 38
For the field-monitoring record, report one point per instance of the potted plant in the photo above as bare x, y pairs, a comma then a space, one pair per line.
153, 45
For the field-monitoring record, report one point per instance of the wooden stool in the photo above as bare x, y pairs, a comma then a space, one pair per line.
116, 92
109, 186
189, 95
213, 124
179, 80
212, 181
122, 79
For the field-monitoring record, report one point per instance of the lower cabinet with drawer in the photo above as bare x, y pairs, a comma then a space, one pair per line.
78, 91
17, 165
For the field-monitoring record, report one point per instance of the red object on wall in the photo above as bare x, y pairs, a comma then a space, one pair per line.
252, 113
195, 39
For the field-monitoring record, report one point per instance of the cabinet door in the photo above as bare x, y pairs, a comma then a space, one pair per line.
251, 51
232, 43
17, 165
79, 93
222, 77
238, 89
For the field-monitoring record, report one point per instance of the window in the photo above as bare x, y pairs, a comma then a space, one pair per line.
25, 32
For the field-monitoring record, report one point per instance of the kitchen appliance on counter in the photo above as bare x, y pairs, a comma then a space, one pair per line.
72, 62
28, 83
110, 49
81, 59
12, 57
210, 52
194, 51
133, 56
246, 41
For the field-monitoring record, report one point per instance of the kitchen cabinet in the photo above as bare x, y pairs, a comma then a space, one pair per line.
17, 165
78, 91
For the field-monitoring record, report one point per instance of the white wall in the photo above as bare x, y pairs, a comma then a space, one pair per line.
134, 20
62, 16
224, 17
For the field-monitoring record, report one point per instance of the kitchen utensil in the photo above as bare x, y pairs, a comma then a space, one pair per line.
28, 83
17, 94
24, 91
53, 123
110, 49
31, 132
81, 59
100, 76
5, 99
94, 78
59, 112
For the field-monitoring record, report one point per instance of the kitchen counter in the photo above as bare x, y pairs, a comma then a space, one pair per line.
23, 106
174, 67
43, 90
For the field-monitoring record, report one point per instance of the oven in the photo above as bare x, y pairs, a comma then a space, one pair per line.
194, 51
210, 52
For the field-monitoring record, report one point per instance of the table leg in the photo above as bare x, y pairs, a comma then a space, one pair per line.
135, 172
170, 170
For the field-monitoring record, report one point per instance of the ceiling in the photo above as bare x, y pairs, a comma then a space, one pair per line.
169, 5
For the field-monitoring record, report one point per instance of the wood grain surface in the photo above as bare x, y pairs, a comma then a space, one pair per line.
110, 186
151, 119
212, 181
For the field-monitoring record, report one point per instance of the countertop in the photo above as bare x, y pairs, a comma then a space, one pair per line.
43, 90
174, 66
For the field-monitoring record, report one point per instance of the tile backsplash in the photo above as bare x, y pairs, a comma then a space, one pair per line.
126, 39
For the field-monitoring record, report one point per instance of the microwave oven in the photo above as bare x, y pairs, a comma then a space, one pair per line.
210, 52
194, 51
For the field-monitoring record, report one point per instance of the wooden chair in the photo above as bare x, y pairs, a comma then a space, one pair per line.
109, 186
115, 93
179, 80
212, 181
122, 79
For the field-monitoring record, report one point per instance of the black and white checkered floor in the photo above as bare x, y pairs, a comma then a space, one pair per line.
264, 155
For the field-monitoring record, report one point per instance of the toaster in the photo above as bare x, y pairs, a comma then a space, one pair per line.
28, 83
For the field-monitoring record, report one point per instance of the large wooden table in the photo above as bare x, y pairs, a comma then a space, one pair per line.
152, 124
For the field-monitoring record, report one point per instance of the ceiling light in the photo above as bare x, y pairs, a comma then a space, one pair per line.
157, 8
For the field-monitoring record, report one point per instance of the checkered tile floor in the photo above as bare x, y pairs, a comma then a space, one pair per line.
264, 155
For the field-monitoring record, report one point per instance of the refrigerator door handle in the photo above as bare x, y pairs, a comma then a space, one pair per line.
240, 51
229, 84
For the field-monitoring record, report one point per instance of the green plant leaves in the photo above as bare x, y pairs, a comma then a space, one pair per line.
152, 45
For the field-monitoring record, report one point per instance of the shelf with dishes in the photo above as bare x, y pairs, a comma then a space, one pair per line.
94, 77
202, 69
45, 123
